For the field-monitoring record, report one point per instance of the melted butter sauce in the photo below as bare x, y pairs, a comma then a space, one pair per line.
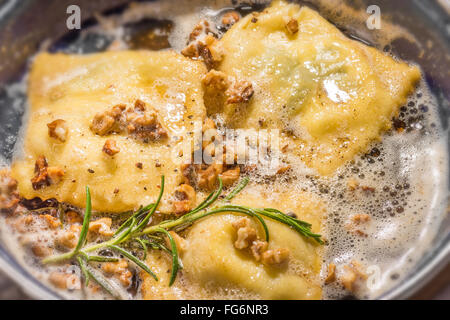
407, 170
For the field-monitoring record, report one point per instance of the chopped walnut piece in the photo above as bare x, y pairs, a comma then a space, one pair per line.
230, 18
357, 222
368, 189
58, 129
257, 248
352, 184
203, 44
208, 177
360, 217
40, 169
9, 197
52, 222
331, 276
206, 54
230, 176
139, 105
119, 269
69, 239
73, 217
241, 223
283, 169
191, 51
292, 26
240, 92
215, 82
185, 199
245, 237
245, 234
215, 49
181, 207
107, 121
55, 174
275, 256
110, 147
101, 226
64, 280
139, 122
203, 27
40, 250
144, 123
348, 279
188, 171
352, 275
45, 175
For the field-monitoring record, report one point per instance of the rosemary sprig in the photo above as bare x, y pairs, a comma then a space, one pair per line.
136, 228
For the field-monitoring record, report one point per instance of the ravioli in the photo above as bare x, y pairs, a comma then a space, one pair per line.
75, 88
331, 96
214, 269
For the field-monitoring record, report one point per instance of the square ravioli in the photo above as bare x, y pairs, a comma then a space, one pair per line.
329, 95
213, 268
110, 121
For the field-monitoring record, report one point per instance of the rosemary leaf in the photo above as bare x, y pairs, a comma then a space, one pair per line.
264, 225
102, 259
82, 264
87, 219
145, 221
144, 246
138, 262
241, 185
102, 282
209, 200
125, 233
175, 261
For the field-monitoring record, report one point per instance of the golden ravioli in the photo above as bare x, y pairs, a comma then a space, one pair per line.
214, 269
330, 94
75, 88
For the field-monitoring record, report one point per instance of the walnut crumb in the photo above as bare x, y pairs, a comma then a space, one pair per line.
58, 130
110, 147
64, 280
245, 237
9, 197
102, 227
52, 222
353, 274
230, 176
45, 175
292, 26
275, 256
240, 92
120, 270
230, 18
331, 276
185, 199
257, 248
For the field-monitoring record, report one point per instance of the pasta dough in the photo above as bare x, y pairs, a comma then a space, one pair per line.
330, 95
75, 88
215, 269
